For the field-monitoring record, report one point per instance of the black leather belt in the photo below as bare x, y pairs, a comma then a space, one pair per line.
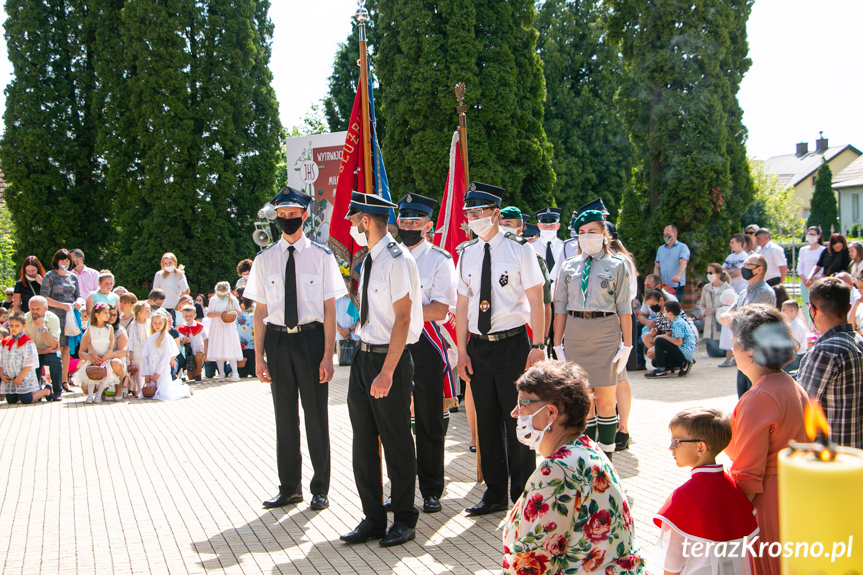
591, 314
500, 335
300, 328
380, 348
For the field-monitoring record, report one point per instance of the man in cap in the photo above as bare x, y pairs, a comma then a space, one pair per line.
379, 389
549, 246
512, 221
295, 283
499, 291
431, 365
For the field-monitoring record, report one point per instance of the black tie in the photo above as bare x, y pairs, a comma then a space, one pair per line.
291, 317
364, 305
549, 258
484, 321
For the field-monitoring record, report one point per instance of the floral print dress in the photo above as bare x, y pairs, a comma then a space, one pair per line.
571, 518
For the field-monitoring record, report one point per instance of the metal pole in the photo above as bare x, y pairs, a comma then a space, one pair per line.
362, 17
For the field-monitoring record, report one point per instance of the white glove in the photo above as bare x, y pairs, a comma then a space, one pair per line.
558, 351
622, 357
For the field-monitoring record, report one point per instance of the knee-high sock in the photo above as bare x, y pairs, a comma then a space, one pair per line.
590, 431
607, 429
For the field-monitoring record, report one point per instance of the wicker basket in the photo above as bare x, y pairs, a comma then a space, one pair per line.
96, 372
148, 390
229, 316
134, 369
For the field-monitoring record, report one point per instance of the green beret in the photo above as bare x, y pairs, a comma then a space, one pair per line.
510, 213
586, 217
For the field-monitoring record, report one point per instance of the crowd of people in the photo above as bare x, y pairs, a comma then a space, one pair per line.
538, 330
77, 329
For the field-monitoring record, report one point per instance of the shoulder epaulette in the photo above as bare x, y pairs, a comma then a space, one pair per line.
441, 250
515, 238
460, 248
269, 247
616, 257
323, 247
394, 249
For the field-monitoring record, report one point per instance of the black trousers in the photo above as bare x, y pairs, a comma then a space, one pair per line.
55, 368
667, 355
294, 361
496, 367
428, 413
390, 419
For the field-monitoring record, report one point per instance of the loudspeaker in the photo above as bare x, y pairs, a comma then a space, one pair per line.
261, 236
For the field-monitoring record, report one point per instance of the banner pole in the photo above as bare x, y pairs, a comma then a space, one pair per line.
363, 16
462, 130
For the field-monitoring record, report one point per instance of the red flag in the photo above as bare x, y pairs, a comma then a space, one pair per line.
452, 226
350, 179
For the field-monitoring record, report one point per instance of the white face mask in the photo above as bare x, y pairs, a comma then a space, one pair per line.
527, 433
481, 226
591, 244
63, 267
359, 237
547, 235
812, 239
31, 278
711, 278
508, 230
169, 269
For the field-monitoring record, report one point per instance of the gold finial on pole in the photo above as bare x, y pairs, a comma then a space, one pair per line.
462, 129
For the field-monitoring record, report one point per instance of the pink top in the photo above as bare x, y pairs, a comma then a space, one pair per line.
765, 419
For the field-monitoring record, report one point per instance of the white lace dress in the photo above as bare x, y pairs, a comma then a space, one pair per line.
15, 356
100, 343
224, 341
157, 359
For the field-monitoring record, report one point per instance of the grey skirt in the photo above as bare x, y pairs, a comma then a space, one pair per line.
592, 344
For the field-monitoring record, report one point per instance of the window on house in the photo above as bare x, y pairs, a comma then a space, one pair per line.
855, 208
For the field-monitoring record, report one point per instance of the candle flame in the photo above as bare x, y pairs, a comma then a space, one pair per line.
814, 420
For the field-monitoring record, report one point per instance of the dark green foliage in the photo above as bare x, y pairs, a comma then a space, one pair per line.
684, 63
159, 132
490, 45
824, 212
48, 151
592, 152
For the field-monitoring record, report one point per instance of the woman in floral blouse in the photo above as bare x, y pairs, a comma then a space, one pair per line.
572, 516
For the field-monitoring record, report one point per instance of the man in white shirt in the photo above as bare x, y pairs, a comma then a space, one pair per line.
777, 264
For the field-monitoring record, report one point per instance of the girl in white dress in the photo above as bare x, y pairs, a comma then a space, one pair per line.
224, 341
159, 351
97, 343
139, 331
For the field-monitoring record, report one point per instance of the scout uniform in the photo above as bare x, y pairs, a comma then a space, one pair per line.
570, 246
497, 313
389, 273
293, 282
592, 291
431, 364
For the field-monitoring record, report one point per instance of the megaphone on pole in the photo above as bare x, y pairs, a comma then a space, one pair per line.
261, 235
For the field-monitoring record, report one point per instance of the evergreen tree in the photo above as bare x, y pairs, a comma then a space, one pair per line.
684, 63
200, 135
592, 152
56, 194
490, 45
824, 212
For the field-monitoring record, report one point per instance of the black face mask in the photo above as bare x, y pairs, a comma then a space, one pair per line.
289, 225
411, 237
656, 308
747, 273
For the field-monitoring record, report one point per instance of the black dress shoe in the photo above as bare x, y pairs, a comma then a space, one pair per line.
485, 507
319, 502
621, 441
364, 531
283, 499
399, 533
431, 504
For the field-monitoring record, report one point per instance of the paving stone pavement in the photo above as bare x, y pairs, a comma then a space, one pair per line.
147, 487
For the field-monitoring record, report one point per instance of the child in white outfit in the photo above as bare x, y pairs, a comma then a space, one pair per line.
139, 331
224, 341
97, 342
159, 351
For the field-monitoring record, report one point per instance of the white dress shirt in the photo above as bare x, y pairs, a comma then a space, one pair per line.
540, 245
392, 278
437, 273
514, 269
318, 279
775, 257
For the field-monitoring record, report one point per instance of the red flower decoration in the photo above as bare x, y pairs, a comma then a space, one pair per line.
629, 563
535, 508
601, 480
598, 526
505, 563
561, 453
555, 545
531, 564
551, 526
594, 560
545, 469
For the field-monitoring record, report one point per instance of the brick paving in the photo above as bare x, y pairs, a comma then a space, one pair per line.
148, 487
